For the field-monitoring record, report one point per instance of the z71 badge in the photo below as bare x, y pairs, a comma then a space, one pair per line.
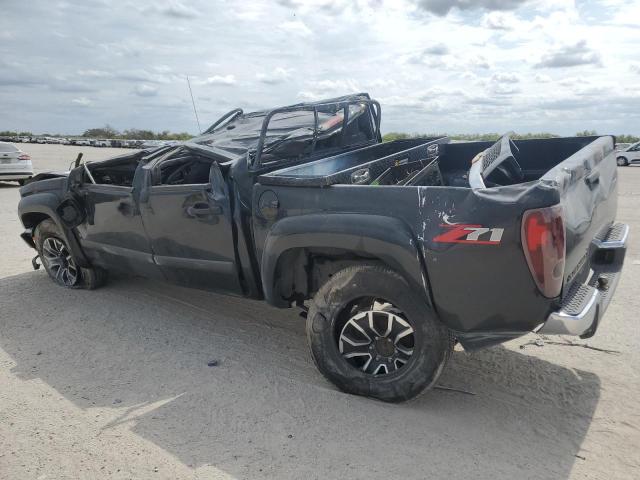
464, 233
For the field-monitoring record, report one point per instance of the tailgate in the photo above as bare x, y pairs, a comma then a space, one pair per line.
588, 186
595, 244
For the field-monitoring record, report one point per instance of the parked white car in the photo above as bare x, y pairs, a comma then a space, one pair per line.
102, 143
629, 155
14, 163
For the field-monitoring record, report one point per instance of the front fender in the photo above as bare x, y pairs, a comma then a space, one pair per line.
387, 239
45, 203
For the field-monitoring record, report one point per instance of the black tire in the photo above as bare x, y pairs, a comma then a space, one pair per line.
622, 161
333, 306
48, 239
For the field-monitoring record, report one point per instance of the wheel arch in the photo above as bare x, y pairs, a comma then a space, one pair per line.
301, 253
36, 208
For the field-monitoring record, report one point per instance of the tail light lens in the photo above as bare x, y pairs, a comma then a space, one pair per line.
24, 156
543, 242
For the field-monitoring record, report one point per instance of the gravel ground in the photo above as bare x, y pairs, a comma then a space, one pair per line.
115, 383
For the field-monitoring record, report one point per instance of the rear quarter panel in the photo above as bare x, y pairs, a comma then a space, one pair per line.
473, 286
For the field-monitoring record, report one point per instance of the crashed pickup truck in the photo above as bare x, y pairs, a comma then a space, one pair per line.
395, 251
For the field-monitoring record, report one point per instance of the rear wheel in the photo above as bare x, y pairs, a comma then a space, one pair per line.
59, 262
622, 161
370, 334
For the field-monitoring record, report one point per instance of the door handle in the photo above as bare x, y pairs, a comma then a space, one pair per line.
126, 209
203, 210
592, 179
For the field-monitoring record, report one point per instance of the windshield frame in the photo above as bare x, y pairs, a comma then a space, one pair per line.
371, 106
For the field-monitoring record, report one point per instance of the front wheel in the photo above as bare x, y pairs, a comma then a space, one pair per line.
370, 334
622, 161
59, 262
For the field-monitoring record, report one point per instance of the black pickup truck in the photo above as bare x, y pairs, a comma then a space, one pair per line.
395, 251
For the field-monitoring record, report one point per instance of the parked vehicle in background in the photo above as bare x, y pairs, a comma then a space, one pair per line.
151, 144
395, 251
41, 140
629, 155
622, 146
14, 163
83, 142
102, 143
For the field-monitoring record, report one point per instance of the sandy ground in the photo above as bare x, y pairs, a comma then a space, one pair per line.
114, 383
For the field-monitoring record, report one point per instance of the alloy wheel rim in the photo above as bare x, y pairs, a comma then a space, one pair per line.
377, 342
59, 262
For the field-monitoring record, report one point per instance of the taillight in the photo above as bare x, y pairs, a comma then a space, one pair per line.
544, 247
24, 156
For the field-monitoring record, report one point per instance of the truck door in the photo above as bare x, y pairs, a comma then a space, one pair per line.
187, 216
112, 235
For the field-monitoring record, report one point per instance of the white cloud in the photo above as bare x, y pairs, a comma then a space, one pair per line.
541, 78
176, 9
443, 7
82, 102
502, 77
499, 21
504, 89
221, 80
295, 27
94, 73
571, 55
278, 75
143, 90
480, 61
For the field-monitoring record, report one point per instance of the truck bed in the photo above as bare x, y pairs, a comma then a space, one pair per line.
482, 289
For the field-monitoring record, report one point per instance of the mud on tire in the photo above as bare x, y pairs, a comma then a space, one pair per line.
58, 261
408, 346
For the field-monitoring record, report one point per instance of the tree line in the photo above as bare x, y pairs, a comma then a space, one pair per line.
134, 134
492, 137
109, 132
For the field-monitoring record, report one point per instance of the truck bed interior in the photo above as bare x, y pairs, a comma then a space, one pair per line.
426, 162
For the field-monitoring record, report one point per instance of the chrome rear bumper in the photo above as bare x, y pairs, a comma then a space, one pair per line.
584, 306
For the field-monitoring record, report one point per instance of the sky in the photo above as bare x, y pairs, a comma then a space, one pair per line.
436, 66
